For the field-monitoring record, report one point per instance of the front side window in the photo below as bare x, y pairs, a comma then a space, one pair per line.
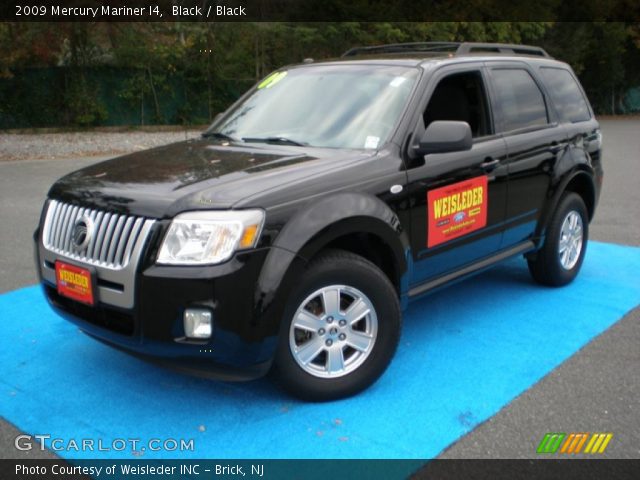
343, 106
460, 97
518, 99
566, 95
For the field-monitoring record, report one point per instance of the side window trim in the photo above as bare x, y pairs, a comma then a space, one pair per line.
533, 128
493, 116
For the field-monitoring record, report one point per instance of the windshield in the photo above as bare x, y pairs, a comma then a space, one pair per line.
344, 106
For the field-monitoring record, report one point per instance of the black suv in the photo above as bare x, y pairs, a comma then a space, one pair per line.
291, 236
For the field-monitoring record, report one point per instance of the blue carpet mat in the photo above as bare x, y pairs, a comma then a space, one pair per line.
465, 353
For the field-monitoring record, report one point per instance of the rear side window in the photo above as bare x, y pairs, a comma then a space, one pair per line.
518, 98
566, 94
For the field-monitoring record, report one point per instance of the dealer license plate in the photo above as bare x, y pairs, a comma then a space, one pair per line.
74, 282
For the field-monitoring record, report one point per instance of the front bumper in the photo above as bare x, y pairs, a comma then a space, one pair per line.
244, 336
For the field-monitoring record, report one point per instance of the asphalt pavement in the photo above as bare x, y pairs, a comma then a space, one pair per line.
24, 185
23, 189
596, 390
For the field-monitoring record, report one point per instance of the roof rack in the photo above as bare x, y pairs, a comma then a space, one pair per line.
456, 48
501, 48
435, 47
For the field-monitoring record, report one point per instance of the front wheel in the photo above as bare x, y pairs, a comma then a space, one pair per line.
560, 258
342, 328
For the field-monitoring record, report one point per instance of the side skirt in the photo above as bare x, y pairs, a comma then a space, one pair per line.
469, 270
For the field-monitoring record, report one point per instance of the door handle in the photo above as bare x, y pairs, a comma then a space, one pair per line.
490, 163
557, 147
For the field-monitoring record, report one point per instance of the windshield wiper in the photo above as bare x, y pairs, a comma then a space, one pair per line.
278, 140
220, 135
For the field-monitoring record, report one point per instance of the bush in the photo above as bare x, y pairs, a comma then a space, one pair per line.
83, 105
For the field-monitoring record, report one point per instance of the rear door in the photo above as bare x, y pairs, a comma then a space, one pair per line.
575, 115
457, 199
534, 142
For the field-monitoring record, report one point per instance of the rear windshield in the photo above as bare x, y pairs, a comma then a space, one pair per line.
344, 106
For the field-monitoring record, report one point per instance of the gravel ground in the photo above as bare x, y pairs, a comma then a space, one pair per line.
46, 146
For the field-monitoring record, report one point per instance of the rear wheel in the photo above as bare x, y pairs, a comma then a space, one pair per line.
560, 258
342, 328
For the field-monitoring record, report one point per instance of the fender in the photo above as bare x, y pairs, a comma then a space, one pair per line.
313, 227
584, 173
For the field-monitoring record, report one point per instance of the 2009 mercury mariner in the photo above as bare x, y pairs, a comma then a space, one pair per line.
291, 236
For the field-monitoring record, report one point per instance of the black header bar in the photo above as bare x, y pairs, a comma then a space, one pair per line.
317, 10
538, 469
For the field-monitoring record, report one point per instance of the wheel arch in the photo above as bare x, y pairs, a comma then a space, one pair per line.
583, 185
367, 241
581, 182
359, 223
339, 221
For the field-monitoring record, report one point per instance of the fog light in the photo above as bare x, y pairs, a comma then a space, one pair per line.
197, 323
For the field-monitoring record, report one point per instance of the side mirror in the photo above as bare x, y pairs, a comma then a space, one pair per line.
444, 136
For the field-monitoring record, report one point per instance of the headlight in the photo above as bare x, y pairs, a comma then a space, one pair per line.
199, 238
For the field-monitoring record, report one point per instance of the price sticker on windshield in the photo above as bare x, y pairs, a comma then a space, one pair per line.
271, 80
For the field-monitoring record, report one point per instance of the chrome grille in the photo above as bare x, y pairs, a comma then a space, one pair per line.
112, 242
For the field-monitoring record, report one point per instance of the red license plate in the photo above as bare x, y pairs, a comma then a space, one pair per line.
74, 282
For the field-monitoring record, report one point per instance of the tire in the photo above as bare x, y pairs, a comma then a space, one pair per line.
327, 352
569, 226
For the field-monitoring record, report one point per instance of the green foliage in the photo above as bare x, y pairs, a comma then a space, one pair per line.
188, 72
603, 55
83, 106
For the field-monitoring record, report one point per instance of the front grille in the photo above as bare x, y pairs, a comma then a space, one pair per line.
111, 242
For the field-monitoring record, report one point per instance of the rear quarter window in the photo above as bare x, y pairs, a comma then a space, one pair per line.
518, 99
566, 94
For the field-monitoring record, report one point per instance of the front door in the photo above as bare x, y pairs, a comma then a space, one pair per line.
458, 199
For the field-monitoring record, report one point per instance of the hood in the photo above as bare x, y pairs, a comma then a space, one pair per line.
194, 174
